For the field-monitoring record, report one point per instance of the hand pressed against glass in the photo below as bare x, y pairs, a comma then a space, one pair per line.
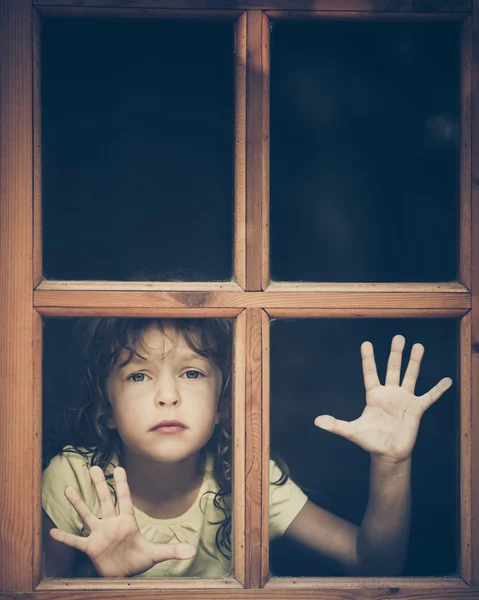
115, 544
390, 421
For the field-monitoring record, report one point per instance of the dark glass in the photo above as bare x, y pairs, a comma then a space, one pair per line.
137, 127
364, 151
316, 369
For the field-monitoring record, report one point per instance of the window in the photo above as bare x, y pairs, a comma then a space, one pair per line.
256, 44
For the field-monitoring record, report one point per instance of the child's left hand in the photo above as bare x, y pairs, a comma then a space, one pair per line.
389, 424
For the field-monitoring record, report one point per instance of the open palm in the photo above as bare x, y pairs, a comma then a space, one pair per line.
390, 421
115, 545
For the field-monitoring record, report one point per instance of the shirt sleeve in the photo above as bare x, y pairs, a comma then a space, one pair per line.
68, 468
285, 502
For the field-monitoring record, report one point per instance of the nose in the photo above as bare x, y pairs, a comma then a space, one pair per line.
167, 394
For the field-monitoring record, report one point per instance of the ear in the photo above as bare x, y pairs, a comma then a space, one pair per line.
217, 419
110, 419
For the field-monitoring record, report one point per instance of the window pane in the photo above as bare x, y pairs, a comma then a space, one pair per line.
316, 369
152, 396
364, 151
137, 126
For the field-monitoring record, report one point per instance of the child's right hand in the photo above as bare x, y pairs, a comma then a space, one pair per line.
115, 545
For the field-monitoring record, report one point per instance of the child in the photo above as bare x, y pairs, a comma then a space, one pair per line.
157, 408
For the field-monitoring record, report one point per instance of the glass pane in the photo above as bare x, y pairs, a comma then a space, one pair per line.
316, 369
137, 126
152, 396
364, 151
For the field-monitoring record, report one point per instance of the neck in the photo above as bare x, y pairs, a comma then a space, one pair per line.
150, 480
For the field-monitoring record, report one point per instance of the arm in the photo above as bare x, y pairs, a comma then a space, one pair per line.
387, 429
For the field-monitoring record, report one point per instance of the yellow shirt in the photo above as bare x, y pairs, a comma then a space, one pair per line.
196, 526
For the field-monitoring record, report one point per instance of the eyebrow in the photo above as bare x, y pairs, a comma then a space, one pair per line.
187, 355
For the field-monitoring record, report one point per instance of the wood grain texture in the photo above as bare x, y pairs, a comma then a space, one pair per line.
144, 313
128, 286
366, 313
37, 447
475, 300
255, 149
240, 152
17, 414
56, 588
253, 488
239, 448
429, 6
389, 583
268, 300
99, 12
465, 156
416, 17
265, 445
37, 152
349, 592
265, 150
465, 448
291, 286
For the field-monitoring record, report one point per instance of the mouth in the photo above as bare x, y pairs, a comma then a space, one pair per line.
169, 427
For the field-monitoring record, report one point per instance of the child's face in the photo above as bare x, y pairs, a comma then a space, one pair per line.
173, 385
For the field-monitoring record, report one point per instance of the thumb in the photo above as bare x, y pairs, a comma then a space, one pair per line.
343, 428
164, 552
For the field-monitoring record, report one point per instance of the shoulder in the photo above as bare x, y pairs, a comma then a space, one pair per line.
286, 499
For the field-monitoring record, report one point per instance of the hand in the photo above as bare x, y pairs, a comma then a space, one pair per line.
389, 424
115, 545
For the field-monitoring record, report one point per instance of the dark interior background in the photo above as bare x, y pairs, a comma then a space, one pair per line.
137, 125
316, 369
364, 151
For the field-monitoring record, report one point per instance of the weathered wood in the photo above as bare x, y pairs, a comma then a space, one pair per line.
240, 152
37, 152
17, 415
265, 445
253, 489
337, 15
475, 301
257, 122
102, 12
465, 156
428, 6
359, 313
268, 300
349, 590
129, 286
239, 449
465, 447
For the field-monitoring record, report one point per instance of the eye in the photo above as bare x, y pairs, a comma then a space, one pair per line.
137, 377
193, 374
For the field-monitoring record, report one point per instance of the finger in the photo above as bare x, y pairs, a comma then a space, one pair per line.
125, 503
393, 371
162, 552
412, 371
370, 372
73, 496
343, 428
103, 492
435, 393
74, 541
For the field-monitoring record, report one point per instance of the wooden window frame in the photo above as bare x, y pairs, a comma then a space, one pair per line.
251, 300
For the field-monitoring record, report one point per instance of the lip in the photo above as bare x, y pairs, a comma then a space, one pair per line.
172, 426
